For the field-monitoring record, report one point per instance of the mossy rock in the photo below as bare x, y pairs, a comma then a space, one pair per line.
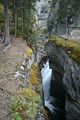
28, 52
71, 47
34, 77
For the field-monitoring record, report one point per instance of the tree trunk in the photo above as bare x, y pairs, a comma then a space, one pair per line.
66, 25
7, 34
15, 16
13, 12
15, 24
22, 20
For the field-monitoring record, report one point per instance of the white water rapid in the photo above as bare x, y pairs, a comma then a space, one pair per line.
52, 102
46, 74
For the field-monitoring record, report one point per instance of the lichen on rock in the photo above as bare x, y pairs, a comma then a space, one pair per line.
71, 47
57, 50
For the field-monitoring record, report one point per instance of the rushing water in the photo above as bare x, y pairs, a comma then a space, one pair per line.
53, 104
46, 73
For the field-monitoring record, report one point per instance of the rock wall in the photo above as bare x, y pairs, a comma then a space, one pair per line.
42, 7
71, 79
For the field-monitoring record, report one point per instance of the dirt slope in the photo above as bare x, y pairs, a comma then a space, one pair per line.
9, 60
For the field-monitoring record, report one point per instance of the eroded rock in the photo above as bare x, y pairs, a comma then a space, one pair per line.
71, 79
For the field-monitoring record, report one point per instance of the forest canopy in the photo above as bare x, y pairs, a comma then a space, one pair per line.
17, 18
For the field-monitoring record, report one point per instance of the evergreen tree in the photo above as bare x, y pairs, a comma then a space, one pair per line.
62, 11
20, 14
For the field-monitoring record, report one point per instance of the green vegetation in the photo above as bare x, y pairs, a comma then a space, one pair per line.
26, 102
34, 75
26, 106
17, 18
1, 15
1, 9
18, 106
33, 103
72, 47
63, 12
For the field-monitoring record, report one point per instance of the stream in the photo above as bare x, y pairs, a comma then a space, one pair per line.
53, 96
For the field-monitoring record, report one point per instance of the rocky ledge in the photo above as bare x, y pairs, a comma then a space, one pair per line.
67, 55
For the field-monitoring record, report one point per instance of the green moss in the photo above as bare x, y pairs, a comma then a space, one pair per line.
1, 15
68, 45
26, 102
1, 9
34, 79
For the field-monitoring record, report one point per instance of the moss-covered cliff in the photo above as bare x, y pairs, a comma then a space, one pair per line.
62, 54
71, 47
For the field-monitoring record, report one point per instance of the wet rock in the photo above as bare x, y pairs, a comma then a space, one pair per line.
71, 79
40, 115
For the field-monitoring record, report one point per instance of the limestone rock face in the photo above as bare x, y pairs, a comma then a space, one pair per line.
75, 34
42, 7
71, 79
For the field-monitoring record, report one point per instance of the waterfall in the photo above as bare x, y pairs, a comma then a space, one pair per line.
53, 104
46, 74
